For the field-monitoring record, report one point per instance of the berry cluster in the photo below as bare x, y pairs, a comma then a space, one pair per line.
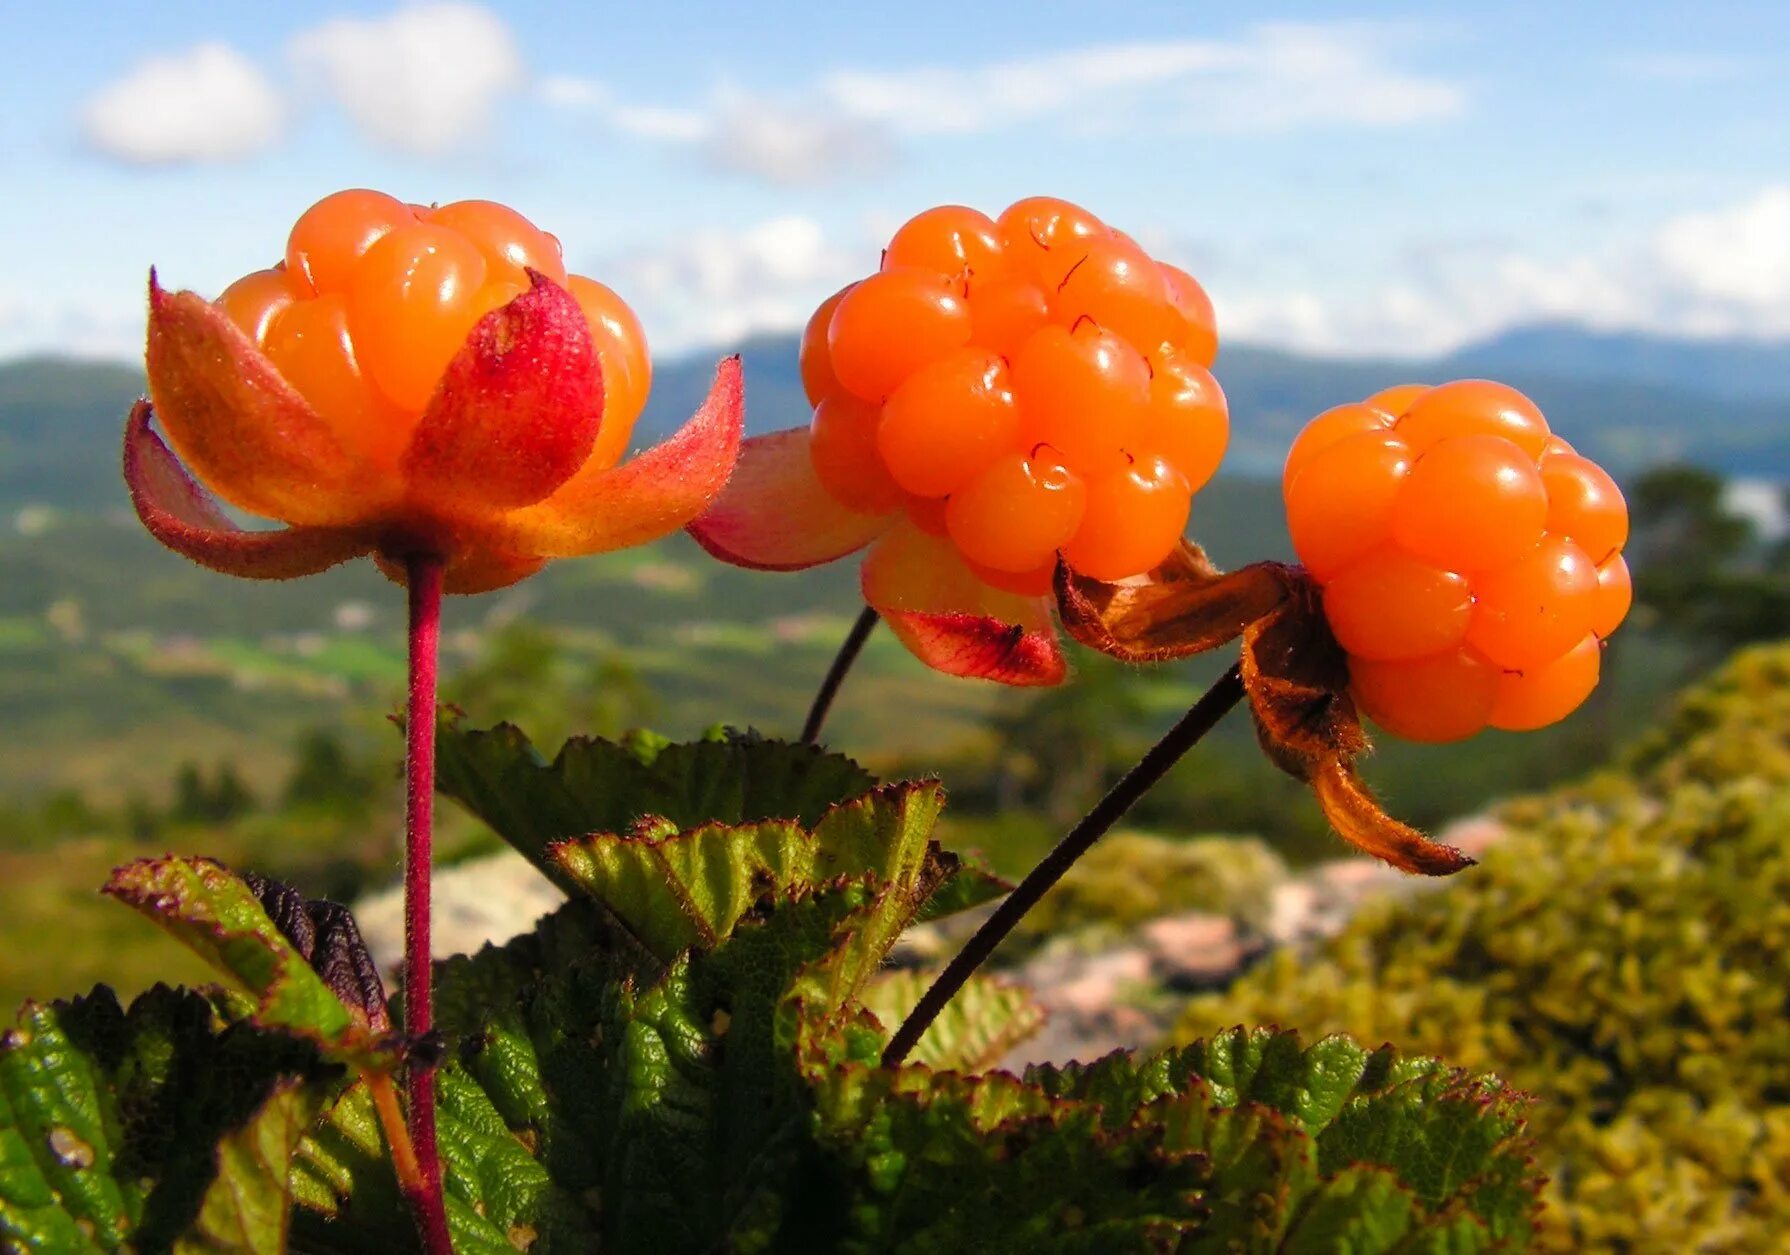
1470, 561
374, 298
1022, 385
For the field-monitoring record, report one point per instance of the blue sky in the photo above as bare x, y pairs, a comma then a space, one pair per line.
1346, 178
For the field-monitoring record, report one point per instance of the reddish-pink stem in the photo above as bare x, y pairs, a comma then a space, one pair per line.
423, 574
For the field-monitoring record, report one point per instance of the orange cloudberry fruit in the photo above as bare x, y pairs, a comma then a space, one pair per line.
329, 239
893, 323
1444, 697
949, 239
1548, 693
1134, 516
1340, 506
1394, 401
1016, 514
1020, 388
947, 422
842, 444
1466, 556
411, 382
1196, 333
1084, 392
1472, 407
815, 358
1115, 285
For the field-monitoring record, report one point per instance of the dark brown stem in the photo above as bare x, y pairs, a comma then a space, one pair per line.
1213, 706
424, 577
848, 653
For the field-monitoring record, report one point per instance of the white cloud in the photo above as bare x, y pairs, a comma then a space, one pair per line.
1275, 78
786, 142
1723, 272
425, 79
82, 323
718, 287
209, 103
1736, 258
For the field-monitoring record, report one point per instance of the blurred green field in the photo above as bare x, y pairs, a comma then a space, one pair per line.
122, 666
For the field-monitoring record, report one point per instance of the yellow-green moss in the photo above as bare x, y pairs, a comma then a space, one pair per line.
1625, 955
1131, 877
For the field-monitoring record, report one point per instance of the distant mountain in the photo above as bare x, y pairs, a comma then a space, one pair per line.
60, 424
1740, 369
1625, 423
1631, 401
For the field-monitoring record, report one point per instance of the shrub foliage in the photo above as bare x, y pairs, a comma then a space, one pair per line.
1623, 954
685, 1058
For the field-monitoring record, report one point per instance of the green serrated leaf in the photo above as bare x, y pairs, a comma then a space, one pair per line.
970, 883
203, 905
249, 1202
158, 1127
978, 1028
595, 786
678, 890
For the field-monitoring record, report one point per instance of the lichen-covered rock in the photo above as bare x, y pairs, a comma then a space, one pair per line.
1623, 953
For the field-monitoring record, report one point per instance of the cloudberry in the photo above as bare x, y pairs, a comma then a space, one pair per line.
1470, 561
1021, 363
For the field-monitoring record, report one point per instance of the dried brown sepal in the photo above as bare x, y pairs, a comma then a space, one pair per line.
1358, 819
1185, 606
1297, 678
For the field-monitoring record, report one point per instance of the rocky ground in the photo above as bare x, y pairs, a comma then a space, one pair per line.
1102, 989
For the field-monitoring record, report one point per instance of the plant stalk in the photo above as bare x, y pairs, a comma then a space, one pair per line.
1204, 715
849, 649
424, 577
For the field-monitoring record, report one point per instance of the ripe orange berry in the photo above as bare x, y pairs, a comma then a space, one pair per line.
411, 306
1329, 428
1532, 610
1548, 693
256, 299
1043, 237
331, 237
627, 367
891, 324
1456, 573
842, 445
1197, 333
950, 239
928, 514
948, 422
1016, 514
1117, 285
1004, 312
1397, 399
1471, 503
1615, 593
1188, 420
1584, 504
1084, 393
310, 346
1341, 505
1445, 697
511, 244
1038, 582
1469, 407
816, 359
1134, 518
1389, 606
